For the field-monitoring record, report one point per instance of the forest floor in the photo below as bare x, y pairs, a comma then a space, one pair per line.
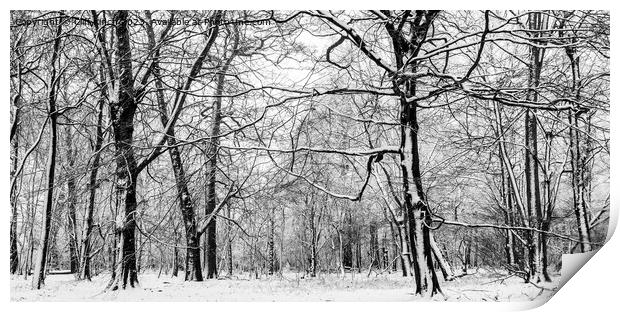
479, 286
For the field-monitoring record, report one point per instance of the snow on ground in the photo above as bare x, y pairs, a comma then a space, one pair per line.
481, 286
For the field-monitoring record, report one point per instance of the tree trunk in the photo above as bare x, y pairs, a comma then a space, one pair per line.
229, 243
415, 203
577, 161
193, 269
313, 237
347, 253
446, 270
532, 183
340, 251
405, 248
533, 196
14, 258
513, 190
71, 228
175, 258
417, 214
375, 255
85, 249
358, 250
270, 243
122, 114
40, 266
508, 213
210, 240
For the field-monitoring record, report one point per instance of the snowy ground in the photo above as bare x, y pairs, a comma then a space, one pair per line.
481, 286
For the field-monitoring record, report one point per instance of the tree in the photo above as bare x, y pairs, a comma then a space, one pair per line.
38, 279
122, 110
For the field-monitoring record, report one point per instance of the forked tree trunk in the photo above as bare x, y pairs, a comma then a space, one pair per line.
417, 214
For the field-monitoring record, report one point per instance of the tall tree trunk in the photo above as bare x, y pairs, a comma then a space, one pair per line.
229, 243
513, 190
32, 209
270, 242
38, 279
85, 271
414, 199
71, 227
550, 195
577, 160
14, 139
313, 237
508, 213
122, 113
536, 21
210, 240
193, 269
358, 249
14, 258
532, 187
347, 253
175, 256
417, 214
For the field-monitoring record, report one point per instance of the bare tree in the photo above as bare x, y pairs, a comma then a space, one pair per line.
40, 265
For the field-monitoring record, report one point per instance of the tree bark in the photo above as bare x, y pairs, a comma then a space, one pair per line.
210, 240
193, 269
14, 257
85, 248
577, 160
347, 253
532, 184
71, 227
405, 248
416, 209
122, 113
38, 279
229, 243
270, 242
